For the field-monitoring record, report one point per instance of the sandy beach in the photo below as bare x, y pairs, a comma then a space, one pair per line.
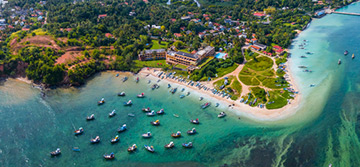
238, 108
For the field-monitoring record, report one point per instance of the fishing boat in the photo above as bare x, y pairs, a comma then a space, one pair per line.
91, 117
79, 131
112, 113
176, 135
95, 140
302, 66
175, 115
131, 115
76, 149
183, 89
117, 75
122, 128
132, 148
141, 95
201, 98
196, 121
125, 79
217, 105
154, 86
187, 145
182, 96
56, 152
152, 113
173, 90
146, 109
339, 62
221, 115
137, 79
191, 132
155, 123
161, 111
205, 105
121, 94
109, 156
346, 52
149, 148
169, 86
353, 56
170, 145
312, 85
101, 102
303, 57
115, 140
146, 135
188, 93
129, 103
309, 53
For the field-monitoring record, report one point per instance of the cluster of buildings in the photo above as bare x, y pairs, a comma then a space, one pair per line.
177, 57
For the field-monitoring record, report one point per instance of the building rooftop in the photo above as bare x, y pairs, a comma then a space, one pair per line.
172, 53
154, 50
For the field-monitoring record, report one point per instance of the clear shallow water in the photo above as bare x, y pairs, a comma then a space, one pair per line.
324, 130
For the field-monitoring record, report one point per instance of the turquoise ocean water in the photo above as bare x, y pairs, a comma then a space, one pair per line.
324, 130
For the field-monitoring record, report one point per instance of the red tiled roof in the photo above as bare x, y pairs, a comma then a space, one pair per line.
173, 20
102, 15
108, 35
255, 47
259, 14
177, 34
279, 50
277, 47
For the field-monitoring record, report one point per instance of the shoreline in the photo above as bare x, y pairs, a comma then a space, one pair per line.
240, 109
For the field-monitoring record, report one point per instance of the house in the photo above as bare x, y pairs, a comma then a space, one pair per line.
188, 32
155, 26
186, 18
255, 48
261, 46
254, 40
177, 35
257, 14
132, 13
173, 20
278, 49
102, 16
108, 35
152, 54
201, 35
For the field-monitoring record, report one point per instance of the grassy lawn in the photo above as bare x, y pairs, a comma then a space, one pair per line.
223, 71
39, 32
156, 45
277, 100
246, 71
236, 86
268, 73
151, 63
249, 81
261, 64
280, 60
181, 66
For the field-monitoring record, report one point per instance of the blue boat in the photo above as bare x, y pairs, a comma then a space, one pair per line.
77, 149
125, 79
182, 96
79, 132
205, 105
122, 128
117, 75
169, 86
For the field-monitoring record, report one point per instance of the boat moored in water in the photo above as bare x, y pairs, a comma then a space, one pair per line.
161, 111
173, 90
192, 131
205, 105
182, 96
122, 128
132, 148
176, 135
112, 113
76, 149
339, 62
56, 152
353, 56
121, 94
152, 113
149, 148
115, 140
131, 115
221, 115
79, 131
201, 98
141, 95
155, 123
196, 121
217, 105
101, 102
95, 140
125, 79
137, 80
346, 52
170, 145
146, 109
129, 103
91, 117
188, 93
146, 135
187, 145
109, 156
